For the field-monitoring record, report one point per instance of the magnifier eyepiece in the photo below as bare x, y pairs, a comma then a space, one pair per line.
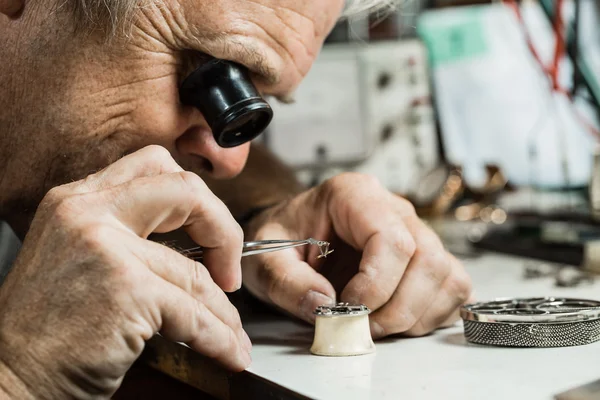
229, 101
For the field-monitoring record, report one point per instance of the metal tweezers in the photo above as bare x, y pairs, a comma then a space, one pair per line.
267, 246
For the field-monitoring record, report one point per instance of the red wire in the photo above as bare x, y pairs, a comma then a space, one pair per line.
559, 50
559, 54
517, 10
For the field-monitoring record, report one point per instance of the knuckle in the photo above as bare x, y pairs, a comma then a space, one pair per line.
353, 179
189, 191
229, 231
375, 287
404, 243
405, 206
158, 154
402, 321
201, 273
128, 280
460, 284
54, 196
379, 294
197, 276
95, 237
88, 181
435, 264
66, 210
192, 182
366, 180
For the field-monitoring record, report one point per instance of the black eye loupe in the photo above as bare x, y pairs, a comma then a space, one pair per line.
225, 95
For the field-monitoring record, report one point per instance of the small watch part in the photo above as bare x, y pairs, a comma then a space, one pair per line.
570, 276
342, 330
342, 309
323, 248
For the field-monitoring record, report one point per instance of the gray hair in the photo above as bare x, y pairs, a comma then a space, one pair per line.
111, 15
356, 7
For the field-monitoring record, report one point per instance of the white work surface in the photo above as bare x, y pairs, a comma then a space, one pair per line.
439, 366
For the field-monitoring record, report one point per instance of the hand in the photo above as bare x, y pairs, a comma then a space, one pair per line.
386, 258
88, 289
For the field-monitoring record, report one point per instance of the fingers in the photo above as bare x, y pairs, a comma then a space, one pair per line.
283, 279
184, 319
444, 311
166, 202
149, 161
193, 278
192, 309
405, 275
427, 271
433, 307
362, 215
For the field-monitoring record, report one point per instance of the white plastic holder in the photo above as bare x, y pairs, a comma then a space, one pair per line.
342, 330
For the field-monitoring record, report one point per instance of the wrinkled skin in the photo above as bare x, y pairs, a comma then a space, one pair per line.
87, 288
77, 311
74, 104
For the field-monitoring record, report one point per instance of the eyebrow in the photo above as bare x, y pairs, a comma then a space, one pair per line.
259, 67
266, 74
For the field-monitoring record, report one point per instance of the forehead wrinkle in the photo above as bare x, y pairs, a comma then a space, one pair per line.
278, 42
281, 10
255, 61
230, 45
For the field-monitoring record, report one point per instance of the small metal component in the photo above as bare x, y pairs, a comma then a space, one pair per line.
323, 248
563, 275
342, 310
342, 330
569, 276
535, 270
533, 322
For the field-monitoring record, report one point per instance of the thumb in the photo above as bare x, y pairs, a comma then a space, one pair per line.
283, 279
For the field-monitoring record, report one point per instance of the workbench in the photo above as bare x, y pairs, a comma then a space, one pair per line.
439, 366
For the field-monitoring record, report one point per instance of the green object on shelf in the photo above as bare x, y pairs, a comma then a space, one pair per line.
460, 39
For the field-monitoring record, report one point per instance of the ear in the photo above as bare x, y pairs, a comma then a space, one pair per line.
11, 8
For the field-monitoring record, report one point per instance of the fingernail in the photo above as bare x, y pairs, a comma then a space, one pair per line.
311, 301
377, 331
247, 342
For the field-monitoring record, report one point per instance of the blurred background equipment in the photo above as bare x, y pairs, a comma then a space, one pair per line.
365, 108
483, 113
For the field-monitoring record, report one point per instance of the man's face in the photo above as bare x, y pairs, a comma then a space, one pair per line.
73, 103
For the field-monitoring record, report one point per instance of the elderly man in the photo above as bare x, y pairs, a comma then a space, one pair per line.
97, 153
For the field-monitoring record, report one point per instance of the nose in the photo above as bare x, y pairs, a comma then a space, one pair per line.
199, 143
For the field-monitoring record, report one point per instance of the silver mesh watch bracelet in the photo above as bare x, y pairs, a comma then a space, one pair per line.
532, 322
